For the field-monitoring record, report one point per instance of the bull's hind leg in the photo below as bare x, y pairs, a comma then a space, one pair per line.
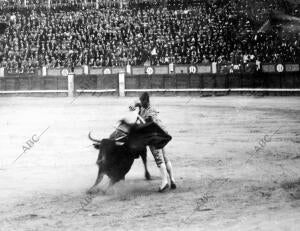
98, 180
144, 158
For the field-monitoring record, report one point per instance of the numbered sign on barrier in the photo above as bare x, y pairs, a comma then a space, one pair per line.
192, 69
107, 71
236, 67
279, 68
149, 70
64, 72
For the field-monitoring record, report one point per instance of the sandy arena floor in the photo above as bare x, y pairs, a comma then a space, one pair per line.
224, 181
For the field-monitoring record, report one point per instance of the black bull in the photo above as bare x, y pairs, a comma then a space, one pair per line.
116, 157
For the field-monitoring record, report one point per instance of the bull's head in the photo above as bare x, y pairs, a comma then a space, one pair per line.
97, 143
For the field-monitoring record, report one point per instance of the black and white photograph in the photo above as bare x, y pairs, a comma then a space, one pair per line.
150, 115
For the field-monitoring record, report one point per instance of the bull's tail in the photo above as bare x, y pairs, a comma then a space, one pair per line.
92, 139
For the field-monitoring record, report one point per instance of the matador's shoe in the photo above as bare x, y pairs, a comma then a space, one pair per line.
163, 188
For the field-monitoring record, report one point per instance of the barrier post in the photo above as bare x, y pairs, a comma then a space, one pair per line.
214, 67
1, 71
122, 84
71, 88
44, 71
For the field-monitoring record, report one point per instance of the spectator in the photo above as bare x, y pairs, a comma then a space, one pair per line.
187, 32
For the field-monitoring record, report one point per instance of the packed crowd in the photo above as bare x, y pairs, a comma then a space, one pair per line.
199, 32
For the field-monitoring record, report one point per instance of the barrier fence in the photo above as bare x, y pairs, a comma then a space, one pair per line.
29, 84
161, 79
171, 69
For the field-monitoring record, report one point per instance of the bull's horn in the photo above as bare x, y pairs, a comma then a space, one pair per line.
119, 138
92, 139
119, 143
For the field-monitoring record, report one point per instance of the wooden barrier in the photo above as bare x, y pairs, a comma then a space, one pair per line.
225, 83
176, 83
33, 84
97, 84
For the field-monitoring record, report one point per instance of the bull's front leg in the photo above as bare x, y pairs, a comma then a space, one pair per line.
109, 184
93, 189
144, 158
